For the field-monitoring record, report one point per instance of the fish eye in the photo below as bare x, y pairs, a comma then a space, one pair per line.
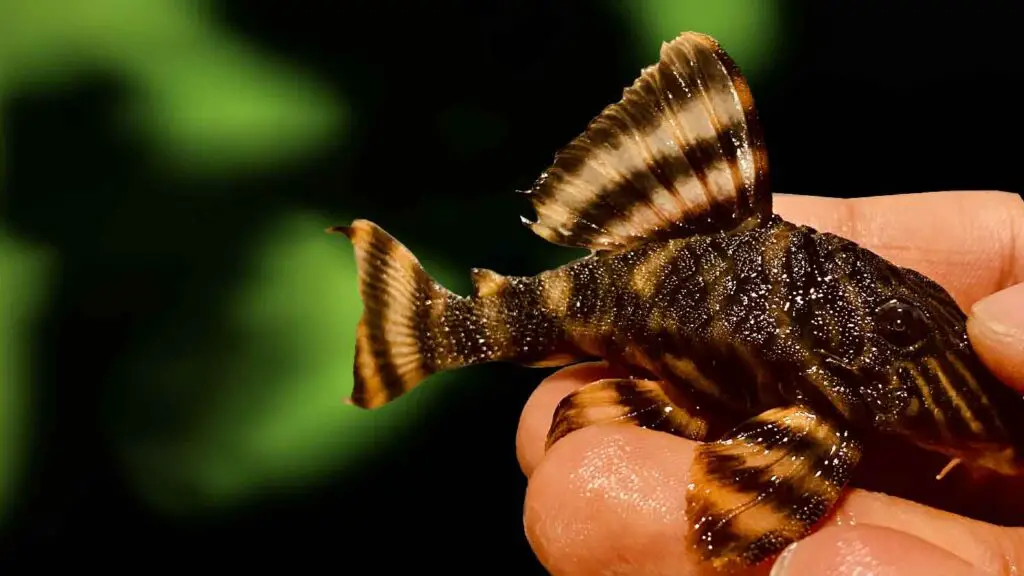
901, 324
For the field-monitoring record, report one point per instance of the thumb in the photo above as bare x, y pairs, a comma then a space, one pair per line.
996, 329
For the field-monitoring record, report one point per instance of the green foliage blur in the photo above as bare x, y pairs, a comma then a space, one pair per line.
276, 362
277, 417
750, 30
23, 282
205, 99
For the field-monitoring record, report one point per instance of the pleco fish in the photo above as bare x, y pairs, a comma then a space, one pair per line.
801, 343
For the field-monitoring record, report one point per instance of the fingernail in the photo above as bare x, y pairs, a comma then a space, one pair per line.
1002, 312
779, 568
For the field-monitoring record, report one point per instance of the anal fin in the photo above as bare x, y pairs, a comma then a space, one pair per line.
766, 484
624, 401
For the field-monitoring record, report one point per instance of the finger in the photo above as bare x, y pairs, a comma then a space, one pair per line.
986, 546
990, 498
612, 499
597, 505
996, 328
568, 541
536, 417
855, 550
971, 243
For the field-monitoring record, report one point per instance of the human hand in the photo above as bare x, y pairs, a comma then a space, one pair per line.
611, 499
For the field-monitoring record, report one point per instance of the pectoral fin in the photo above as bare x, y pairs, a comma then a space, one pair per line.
626, 401
766, 484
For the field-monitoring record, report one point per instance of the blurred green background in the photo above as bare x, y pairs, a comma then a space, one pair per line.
177, 331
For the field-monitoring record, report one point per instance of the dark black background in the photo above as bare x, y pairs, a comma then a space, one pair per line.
455, 104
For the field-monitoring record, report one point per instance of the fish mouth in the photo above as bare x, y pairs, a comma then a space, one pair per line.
975, 413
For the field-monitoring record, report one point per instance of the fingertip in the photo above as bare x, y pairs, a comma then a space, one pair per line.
996, 328
611, 500
535, 420
867, 549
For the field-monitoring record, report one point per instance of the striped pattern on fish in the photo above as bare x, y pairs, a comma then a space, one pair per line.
779, 347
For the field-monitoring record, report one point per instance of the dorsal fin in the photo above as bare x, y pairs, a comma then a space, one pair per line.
680, 154
486, 282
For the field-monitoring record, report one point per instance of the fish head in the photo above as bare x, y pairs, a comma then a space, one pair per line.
918, 374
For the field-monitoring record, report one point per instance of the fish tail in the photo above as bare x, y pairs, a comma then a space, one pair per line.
412, 326
398, 338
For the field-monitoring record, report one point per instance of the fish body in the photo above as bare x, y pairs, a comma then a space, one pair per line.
777, 346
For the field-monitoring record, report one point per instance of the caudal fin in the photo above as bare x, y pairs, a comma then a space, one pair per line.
413, 327
396, 339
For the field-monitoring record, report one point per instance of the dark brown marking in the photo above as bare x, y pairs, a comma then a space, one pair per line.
766, 484
694, 283
412, 327
761, 202
624, 401
382, 382
663, 162
621, 198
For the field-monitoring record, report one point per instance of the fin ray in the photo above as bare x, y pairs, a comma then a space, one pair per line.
766, 484
680, 153
624, 401
413, 327
400, 303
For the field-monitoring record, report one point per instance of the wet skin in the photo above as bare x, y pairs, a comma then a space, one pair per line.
612, 497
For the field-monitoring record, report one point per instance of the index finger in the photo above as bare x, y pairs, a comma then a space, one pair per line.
971, 243
613, 498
